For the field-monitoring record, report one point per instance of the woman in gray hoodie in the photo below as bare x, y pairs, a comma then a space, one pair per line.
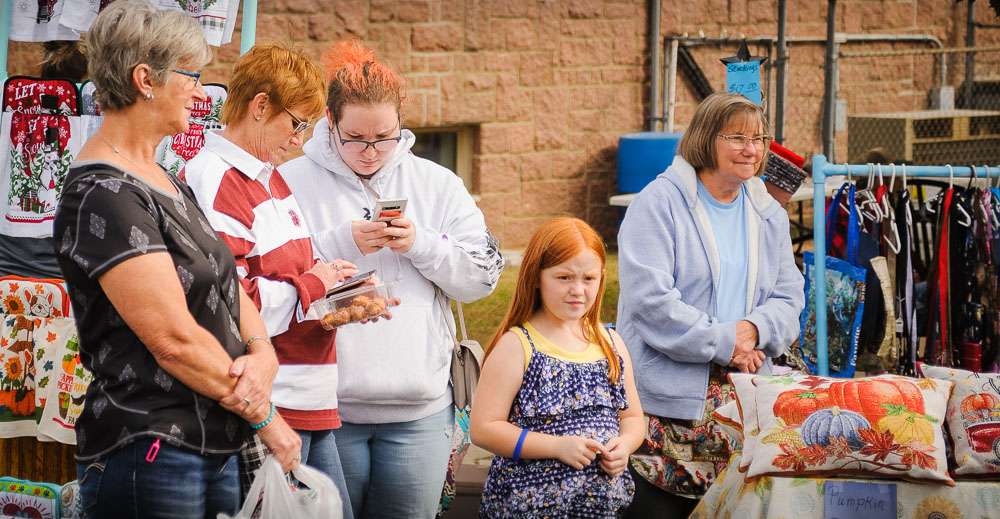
708, 285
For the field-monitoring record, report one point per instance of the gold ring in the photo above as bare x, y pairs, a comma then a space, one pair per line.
298, 457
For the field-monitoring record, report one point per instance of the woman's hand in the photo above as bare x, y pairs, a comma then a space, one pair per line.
252, 394
369, 236
576, 451
614, 457
333, 272
283, 441
745, 356
401, 234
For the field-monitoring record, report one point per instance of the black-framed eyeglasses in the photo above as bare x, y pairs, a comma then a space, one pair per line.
359, 146
741, 142
299, 124
196, 76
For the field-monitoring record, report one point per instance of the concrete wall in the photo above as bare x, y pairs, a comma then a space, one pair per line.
550, 85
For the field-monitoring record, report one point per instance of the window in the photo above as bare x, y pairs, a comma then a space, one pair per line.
450, 147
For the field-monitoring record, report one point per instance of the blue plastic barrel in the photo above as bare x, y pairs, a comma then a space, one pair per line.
642, 156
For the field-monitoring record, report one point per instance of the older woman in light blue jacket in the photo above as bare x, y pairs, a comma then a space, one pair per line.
708, 285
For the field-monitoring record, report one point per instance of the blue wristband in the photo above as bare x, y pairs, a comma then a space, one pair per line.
520, 443
265, 422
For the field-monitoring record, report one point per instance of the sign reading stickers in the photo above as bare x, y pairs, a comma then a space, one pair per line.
856, 500
743, 73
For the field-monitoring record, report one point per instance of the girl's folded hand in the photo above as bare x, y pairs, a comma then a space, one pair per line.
577, 451
614, 457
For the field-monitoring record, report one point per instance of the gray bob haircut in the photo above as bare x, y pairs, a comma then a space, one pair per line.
130, 32
700, 141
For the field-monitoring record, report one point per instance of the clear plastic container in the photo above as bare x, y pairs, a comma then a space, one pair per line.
355, 305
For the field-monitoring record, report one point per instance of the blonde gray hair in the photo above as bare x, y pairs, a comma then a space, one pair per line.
699, 144
130, 32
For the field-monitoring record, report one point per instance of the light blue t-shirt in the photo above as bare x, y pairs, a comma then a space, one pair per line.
729, 224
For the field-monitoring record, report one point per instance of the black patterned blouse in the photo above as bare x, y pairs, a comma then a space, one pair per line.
107, 216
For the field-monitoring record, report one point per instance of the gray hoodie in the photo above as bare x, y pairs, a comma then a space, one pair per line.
668, 268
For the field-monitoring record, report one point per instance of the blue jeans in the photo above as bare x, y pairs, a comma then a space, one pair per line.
319, 451
177, 485
396, 469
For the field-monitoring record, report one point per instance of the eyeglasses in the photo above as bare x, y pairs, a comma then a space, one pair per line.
740, 142
359, 146
196, 76
299, 124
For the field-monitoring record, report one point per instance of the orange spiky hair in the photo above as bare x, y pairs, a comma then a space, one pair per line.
357, 77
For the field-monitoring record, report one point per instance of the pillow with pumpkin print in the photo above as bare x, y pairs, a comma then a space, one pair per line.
887, 426
973, 420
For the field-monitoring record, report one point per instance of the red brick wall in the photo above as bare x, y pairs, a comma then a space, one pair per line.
551, 84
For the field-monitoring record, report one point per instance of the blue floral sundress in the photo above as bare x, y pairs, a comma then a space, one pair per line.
560, 398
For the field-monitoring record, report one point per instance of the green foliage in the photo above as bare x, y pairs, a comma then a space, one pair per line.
483, 317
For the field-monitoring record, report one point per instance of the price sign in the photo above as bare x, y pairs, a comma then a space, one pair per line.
744, 78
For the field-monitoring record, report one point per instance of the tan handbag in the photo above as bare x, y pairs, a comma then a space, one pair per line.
466, 358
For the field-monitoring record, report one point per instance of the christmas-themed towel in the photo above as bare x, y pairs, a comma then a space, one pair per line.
174, 151
217, 17
39, 136
67, 387
38, 20
79, 14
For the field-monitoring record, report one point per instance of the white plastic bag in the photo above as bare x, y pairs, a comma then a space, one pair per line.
280, 501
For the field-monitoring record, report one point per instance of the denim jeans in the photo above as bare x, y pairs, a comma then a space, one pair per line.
396, 469
319, 451
177, 484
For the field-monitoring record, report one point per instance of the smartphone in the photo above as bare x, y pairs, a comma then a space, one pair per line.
351, 282
388, 209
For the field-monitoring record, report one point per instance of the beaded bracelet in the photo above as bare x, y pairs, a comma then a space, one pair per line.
520, 443
258, 338
265, 422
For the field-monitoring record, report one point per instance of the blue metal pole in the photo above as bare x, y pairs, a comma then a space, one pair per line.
5, 21
819, 247
248, 32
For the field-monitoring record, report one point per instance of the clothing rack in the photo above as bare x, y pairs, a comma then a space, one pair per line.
822, 169
248, 31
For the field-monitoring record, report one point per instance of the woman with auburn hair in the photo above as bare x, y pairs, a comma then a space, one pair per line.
182, 368
708, 285
273, 94
394, 397
557, 387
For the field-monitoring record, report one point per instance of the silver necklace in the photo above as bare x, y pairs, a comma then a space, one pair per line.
118, 152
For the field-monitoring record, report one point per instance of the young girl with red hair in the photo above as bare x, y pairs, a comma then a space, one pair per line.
557, 403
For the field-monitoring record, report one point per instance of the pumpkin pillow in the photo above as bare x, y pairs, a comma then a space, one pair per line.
747, 404
886, 426
973, 420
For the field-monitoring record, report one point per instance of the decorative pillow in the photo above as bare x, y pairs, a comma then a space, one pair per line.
886, 426
973, 420
22, 498
747, 404
34, 297
728, 419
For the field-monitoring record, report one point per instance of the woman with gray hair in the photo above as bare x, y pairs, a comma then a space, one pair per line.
181, 360
708, 286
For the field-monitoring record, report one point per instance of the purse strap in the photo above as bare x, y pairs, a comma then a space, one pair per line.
439, 295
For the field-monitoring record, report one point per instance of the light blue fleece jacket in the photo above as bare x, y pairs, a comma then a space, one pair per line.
668, 269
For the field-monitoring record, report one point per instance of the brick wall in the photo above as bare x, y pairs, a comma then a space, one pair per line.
550, 84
